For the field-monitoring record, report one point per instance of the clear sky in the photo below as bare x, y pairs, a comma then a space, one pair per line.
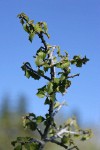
74, 25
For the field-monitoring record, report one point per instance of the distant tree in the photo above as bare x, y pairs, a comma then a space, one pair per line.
10, 121
5, 109
53, 67
22, 105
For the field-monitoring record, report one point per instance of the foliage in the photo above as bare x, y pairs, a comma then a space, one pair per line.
49, 59
10, 121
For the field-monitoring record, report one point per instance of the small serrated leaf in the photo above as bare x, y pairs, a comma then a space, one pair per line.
31, 125
40, 119
27, 74
40, 94
47, 101
56, 80
65, 65
45, 27
37, 28
31, 36
38, 61
50, 88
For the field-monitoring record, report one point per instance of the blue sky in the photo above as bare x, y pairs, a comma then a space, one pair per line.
74, 25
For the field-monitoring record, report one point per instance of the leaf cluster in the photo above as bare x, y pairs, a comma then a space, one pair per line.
31, 28
24, 142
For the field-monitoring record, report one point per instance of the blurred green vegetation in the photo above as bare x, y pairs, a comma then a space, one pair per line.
11, 127
11, 122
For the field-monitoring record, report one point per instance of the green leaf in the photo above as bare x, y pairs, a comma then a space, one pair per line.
40, 94
31, 146
27, 119
65, 139
85, 137
58, 51
31, 22
43, 88
47, 101
46, 67
31, 36
85, 60
31, 125
78, 61
27, 74
52, 132
18, 147
24, 16
29, 122
62, 77
75, 60
23, 139
62, 89
68, 84
65, 65
40, 72
35, 76
48, 35
38, 61
56, 80
22, 21
40, 119
34, 146
58, 65
48, 120
27, 146
56, 105
45, 27
26, 28
66, 54
62, 85
13, 143
49, 88
37, 28
87, 134
32, 115
30, 73
42, 55
47, 116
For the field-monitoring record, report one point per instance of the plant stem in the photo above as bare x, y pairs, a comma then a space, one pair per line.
52, 98
42, 40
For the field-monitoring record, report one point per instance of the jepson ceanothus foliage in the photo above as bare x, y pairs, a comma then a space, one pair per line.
58, 81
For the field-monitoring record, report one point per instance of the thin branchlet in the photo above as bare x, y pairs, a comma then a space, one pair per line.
52, 99
72, 76
34, 71
42, 40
